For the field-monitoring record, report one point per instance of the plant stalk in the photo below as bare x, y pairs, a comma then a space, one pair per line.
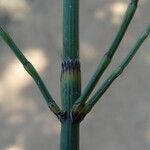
70, 74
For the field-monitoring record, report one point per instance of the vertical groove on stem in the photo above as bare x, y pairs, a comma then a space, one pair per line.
70, 91
70, 75
71, 29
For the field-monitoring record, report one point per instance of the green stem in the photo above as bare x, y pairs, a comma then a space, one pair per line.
70, 90
34, 74
117, 72
71, 29
70, 76
105, 61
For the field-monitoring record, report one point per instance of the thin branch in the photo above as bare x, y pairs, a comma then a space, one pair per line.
105, 61
34, 74
117, 72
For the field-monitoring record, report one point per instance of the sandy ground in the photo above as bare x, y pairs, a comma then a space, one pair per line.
121, 121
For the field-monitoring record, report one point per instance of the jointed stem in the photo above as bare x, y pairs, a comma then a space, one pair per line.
94, 99
34, 74
70, 74
74, 105
105, 61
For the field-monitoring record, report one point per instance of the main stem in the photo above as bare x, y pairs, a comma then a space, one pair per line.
70, 75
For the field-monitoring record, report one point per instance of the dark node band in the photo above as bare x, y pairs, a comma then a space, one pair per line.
109, 55
61, 116
70, 64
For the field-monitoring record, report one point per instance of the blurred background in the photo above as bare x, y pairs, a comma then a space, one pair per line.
120, 121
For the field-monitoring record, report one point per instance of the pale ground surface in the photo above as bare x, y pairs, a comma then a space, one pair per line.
121, 121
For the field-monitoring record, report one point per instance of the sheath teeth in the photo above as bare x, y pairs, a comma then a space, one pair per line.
70, 64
